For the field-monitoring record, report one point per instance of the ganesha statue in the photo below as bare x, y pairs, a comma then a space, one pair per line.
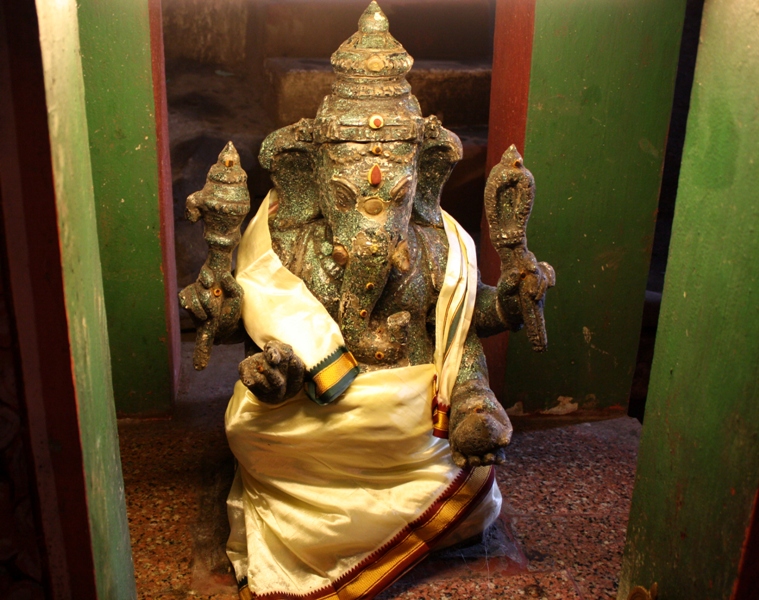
363, 424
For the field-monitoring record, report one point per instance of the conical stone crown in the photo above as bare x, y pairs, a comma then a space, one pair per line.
372, 52
371, 99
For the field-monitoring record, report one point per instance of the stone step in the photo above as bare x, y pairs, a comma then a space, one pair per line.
457, 91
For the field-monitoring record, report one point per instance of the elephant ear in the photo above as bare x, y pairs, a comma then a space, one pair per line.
288, 155
440, 152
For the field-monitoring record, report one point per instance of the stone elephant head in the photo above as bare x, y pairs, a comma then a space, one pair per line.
369, 192
368, 164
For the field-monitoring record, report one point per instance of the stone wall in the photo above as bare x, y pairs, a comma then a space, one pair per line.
244, 33
208, 31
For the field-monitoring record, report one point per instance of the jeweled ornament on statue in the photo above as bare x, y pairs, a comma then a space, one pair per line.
363, 424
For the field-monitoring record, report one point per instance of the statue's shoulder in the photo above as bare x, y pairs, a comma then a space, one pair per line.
306, 253
295, 245
431, 237
432, 244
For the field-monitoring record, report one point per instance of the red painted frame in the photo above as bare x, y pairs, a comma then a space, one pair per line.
166, 198
509, 93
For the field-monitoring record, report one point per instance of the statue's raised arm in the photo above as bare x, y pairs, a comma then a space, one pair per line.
521, 289
215, 300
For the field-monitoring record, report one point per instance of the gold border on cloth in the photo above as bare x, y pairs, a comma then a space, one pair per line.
332, 376
440, 416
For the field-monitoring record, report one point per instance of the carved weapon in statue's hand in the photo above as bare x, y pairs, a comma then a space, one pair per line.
509, 196
215, 300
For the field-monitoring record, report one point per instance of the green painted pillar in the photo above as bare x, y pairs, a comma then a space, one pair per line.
698, 469
84, 298
600, 95
122, 58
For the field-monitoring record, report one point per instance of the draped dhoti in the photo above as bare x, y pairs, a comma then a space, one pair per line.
338, 500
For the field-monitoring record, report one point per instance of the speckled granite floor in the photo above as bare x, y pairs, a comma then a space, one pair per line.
560, 536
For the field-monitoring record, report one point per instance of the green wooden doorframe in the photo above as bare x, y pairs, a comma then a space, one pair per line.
600, 87
122, 58
698, 469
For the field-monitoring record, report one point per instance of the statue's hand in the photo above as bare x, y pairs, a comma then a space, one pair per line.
480, 430
273, 375
521, 292
197, 298
215, 305
231, 307
524, 274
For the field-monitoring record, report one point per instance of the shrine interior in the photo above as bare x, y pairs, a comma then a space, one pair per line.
633, 464
232, 87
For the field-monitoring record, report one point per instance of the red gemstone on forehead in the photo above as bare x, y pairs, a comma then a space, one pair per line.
375, 175
377, 122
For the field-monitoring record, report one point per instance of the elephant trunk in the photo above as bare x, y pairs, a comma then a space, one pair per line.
368, 267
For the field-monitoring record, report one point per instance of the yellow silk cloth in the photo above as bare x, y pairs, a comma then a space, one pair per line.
453, 316
337, 501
